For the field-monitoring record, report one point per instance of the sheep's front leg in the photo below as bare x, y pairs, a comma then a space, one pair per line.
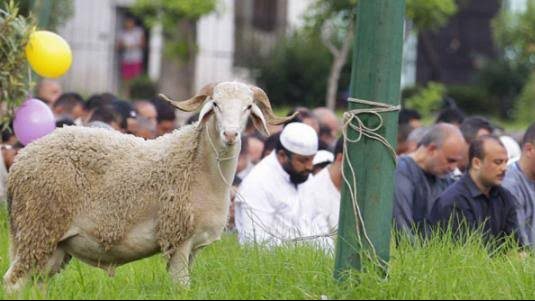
178, 265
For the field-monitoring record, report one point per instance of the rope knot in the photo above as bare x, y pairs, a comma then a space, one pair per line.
352, 120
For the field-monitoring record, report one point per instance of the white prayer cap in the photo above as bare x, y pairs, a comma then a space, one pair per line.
323, 156
300, 139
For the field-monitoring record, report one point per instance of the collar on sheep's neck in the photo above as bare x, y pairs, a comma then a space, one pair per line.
218, 157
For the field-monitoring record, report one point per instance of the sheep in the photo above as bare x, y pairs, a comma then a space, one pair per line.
109, 198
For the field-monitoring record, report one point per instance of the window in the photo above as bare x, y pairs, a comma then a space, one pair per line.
265, 14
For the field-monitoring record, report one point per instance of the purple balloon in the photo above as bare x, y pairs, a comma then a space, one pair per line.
33, 120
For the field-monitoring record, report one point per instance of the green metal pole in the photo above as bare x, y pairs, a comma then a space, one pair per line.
376, 73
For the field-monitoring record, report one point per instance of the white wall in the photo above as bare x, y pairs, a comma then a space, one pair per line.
410, 52
91, 35
296, 9
215, 41
517, 6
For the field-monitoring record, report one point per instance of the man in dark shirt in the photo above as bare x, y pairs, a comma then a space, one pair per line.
478, 200
422, 175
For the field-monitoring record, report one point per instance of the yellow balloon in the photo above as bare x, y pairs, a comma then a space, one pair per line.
49, 54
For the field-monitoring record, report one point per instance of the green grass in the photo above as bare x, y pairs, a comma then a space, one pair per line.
225, 270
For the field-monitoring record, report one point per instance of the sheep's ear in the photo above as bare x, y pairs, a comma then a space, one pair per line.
189, 105
262, 101
259, 121
206, 111
194, 103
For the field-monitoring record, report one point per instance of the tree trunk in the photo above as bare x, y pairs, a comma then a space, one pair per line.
340, 59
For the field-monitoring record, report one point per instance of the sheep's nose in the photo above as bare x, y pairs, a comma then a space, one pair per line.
230, 136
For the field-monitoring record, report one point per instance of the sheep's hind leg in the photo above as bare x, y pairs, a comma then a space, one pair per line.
16, 277
178, 264
57, 262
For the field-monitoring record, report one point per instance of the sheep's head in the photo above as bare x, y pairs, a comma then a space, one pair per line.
231, 104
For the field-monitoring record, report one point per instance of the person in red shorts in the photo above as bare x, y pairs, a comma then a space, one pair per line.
131, 44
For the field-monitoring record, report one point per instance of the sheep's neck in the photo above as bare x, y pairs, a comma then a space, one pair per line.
218, 161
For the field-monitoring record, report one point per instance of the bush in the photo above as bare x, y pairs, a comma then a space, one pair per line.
503, 81
425, 100
525, 103
471, 99
143, 88
296, 72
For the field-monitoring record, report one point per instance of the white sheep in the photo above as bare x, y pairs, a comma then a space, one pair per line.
108, 198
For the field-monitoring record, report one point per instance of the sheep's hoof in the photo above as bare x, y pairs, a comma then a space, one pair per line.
183, 281
13, 288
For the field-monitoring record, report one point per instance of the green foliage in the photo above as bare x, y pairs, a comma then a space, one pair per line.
296, 71
503, 80
321, 11
515, 33
425, 14
430, 14
14, 80
507, 79
427, 100
170, 13
51, 14
472, 99
525, 104
143, 87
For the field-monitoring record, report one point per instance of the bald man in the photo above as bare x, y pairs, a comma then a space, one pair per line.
49, 91
423, 175
328, 120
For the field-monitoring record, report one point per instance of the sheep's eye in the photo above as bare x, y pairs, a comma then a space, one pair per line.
249, 107
216, 106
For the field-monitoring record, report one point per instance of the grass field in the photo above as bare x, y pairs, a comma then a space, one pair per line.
225, 270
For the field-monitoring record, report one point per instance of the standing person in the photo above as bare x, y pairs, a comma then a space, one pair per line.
268, 209
131, 44
520, 181
477, 200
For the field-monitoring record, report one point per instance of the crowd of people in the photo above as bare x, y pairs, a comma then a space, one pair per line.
459, 171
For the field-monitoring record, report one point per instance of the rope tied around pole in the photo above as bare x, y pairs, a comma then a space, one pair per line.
352, 120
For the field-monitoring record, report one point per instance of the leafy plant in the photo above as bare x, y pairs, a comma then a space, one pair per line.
15, 82
525, 103
143, 87
427, 100
296, 71
177, 18
503, 80
514, 32
430, 14
50, 14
